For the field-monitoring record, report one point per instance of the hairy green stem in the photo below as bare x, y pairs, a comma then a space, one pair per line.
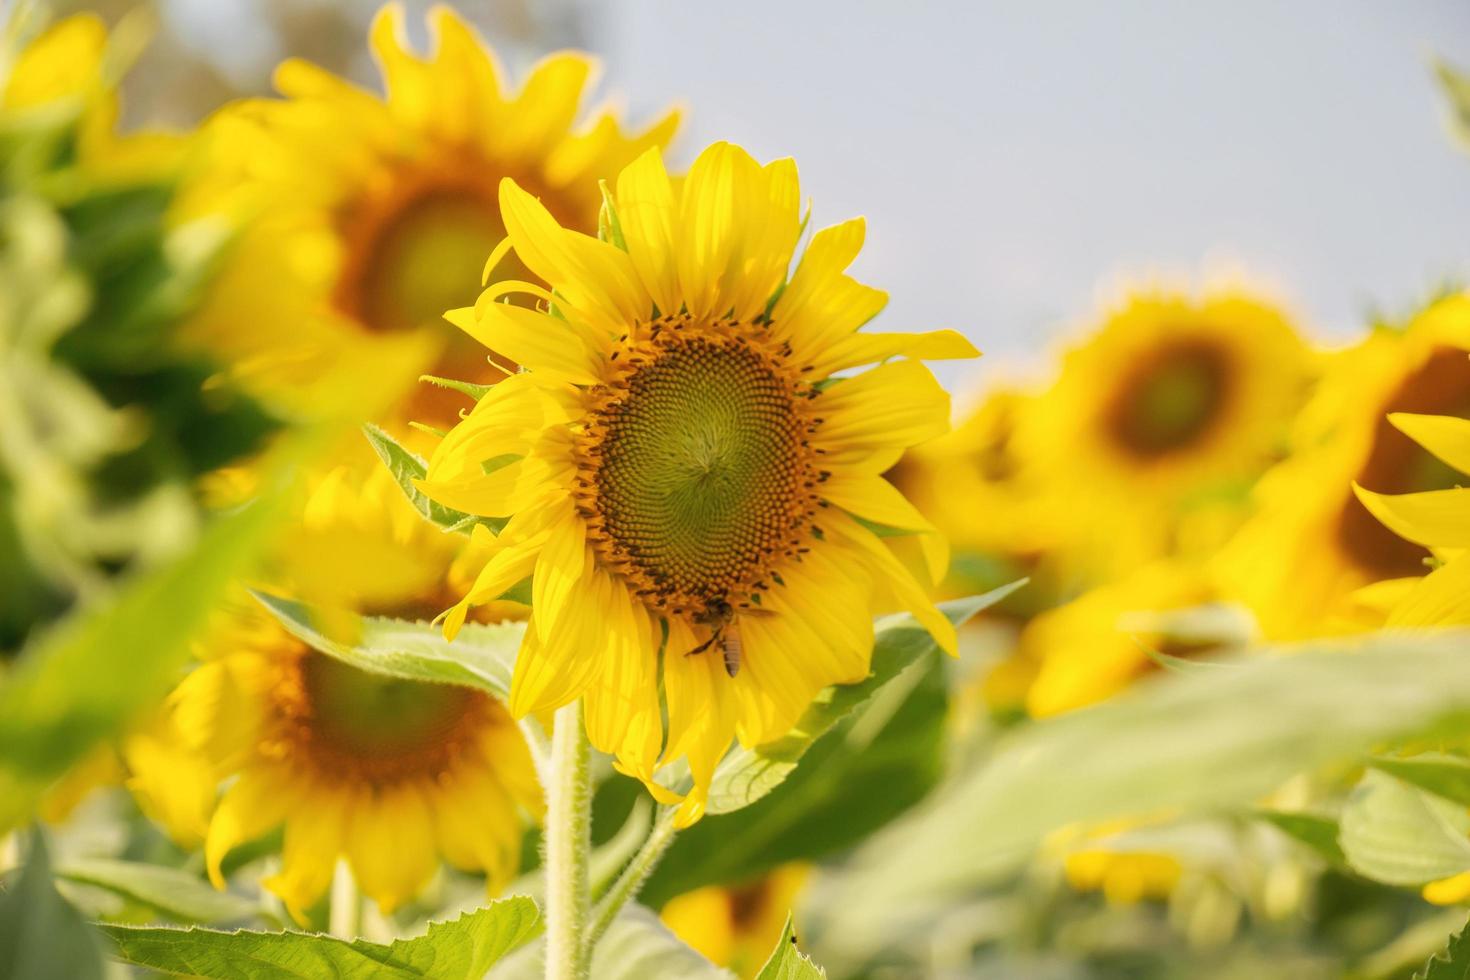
634, 875
568, 847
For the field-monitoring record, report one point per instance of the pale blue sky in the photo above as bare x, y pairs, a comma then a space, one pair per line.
1016, 159
1013, 158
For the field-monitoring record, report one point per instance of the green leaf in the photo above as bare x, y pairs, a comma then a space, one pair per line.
173, 892
1196, 742
41, 936
788, 962
407, 467
866, 771
746, 775
1442, 775
461, 949
1451, 963
480, 656
90, 677
1312, 829
635, 947
1400, 835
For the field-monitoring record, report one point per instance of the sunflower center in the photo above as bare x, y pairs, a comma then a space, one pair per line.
1397, 464
1171, 399
420, 258
379, 729
697, 473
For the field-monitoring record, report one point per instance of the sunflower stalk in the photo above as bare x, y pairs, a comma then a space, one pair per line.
627, 885
568, 848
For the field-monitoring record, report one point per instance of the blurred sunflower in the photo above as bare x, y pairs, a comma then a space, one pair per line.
1437, 520
683, 471
1313, 542
391, 774
971, 485
1172, 404
737, 926
372, 216
1096, 645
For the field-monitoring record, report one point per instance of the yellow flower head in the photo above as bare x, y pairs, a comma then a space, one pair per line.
1313, 542
371, 216
1174, 400
971, 485
74, 66
737, 926
390, 774
683, 469
1096, 645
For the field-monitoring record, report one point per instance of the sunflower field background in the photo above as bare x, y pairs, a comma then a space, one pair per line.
454, 525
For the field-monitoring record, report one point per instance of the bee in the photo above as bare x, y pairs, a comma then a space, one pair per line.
719, 616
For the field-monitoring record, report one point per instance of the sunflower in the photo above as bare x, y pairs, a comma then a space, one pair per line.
1091, 648
684, 470
371, 216
737, 926
74, 63
1174, 405
1313, 543
1437, 520
391, 774
971, 485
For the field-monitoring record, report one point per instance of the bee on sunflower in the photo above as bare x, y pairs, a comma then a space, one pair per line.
692, 480
392, 775
1313, 544
1174, 403
369, 216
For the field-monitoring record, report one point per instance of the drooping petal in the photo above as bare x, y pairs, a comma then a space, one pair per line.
890, 577
550, 675
390, 844
701, 702
622, 710
1435, 518
311, 844
1443, 435
256, 803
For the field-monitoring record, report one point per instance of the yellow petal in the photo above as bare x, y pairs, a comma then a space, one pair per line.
895, 404
257, 803
539, 341
622, 709
390, 843
867, 348
710, 223
561, 563
645, 202
890, 577
875, 499
596, 278
1448, 891
1441, 598
1435, 518
314, 837
1443, 435
701, 706
550, 675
